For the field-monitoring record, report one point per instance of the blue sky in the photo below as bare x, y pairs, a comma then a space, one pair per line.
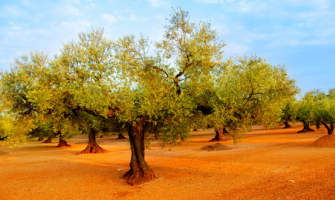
297, 33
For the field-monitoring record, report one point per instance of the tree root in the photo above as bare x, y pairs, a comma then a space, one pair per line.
306, 130
289, 126
137, 175
121, 137
63, 143
47, 141
218, 139
93, 149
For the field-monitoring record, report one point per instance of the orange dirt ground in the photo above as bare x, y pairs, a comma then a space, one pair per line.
268, 164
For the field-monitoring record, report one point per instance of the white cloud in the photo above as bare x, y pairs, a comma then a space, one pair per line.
160, 17
132, 18
70, 10
66, 10
233, 49
155, 3
208, 1
108, 18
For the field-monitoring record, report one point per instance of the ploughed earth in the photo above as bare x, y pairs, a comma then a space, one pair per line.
269, 164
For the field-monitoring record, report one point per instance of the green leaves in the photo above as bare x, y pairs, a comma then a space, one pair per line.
96, 81
248, 91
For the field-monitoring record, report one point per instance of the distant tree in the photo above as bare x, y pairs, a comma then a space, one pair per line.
289, 112
306, 110
28, 92
249, 91
20, 114
85, 72
325, 110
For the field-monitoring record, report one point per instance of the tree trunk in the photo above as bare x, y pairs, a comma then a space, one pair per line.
330, 128
219, 136
139, 170
287, 125
62, 142
48, 140
306, 128
121, 137
40, 139
92, 146
225, 130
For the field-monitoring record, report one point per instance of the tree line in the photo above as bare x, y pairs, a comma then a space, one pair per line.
149, 90
314, 108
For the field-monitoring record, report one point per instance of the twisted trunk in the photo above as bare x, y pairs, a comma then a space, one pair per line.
287, 125
306, 128
92, 146
139, 170
219, 135
330, 128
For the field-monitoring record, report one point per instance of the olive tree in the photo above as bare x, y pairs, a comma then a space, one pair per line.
162, 92
325, 110
289, 112
249, 90
19, 114
306, 110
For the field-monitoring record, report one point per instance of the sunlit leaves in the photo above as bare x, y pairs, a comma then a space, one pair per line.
249, 90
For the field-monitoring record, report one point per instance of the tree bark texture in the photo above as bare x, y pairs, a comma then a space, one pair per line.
140, 171
92, 146
219, 135
306, 128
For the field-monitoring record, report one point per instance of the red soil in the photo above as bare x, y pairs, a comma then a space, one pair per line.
325, 141
268, 164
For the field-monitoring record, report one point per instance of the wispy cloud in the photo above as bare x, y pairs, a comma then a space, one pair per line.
108, 18
156, 3
208, 1
132, 17
67, 10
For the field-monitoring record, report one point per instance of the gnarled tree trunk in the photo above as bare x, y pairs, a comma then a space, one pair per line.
306, 128
287, 125
330, 128
139, 170
219, 135
40, 139
92, 146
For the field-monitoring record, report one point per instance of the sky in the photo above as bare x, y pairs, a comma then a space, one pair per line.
299, 34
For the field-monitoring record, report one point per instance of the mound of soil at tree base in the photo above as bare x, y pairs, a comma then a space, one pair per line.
216, 147
325, 141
